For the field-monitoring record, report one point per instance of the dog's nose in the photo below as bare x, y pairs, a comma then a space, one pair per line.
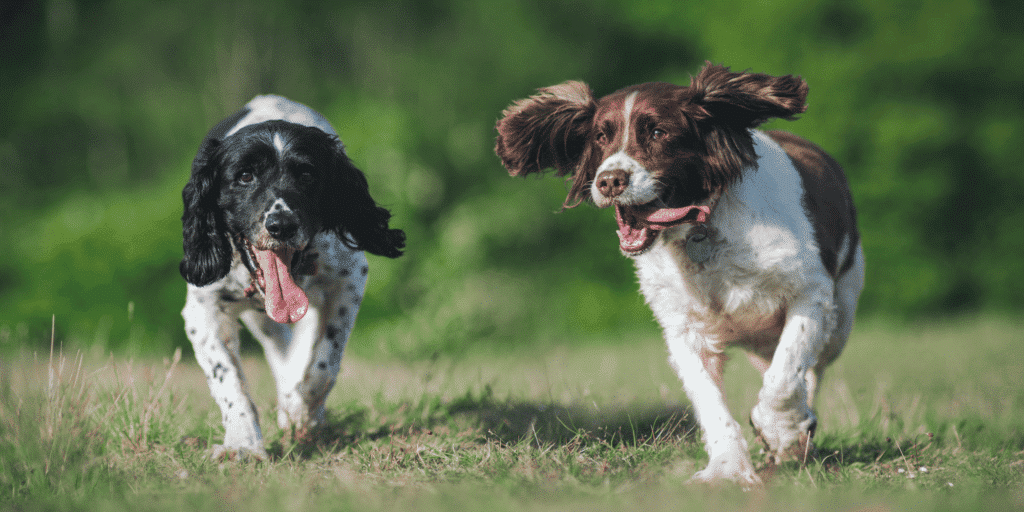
282, 225
612, 183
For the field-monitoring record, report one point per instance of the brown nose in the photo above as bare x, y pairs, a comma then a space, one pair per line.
612, 183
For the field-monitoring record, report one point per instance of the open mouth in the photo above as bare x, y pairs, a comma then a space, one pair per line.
639, 224
284, 300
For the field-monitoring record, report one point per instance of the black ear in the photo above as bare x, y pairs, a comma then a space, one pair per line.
350, 210
748, 99
205, 243
549, 129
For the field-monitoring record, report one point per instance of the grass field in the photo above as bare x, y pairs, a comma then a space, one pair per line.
927, 417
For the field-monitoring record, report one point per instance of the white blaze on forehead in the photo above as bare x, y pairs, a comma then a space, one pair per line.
278, 143
627, 109
642, 188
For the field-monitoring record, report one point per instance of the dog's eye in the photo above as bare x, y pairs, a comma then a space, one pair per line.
245, 177
658, 133
602, 137
307, 178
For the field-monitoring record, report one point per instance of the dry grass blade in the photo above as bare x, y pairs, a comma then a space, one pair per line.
151, 406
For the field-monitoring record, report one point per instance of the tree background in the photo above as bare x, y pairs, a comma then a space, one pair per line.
105, 102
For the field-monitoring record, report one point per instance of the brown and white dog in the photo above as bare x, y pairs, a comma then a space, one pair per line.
739, 237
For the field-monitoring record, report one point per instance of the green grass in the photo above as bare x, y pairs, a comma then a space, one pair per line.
923, 417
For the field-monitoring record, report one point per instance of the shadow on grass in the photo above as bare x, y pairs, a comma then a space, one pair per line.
483, 418
553, 424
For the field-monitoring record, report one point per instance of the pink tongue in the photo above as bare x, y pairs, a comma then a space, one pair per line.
285, 301
670, 216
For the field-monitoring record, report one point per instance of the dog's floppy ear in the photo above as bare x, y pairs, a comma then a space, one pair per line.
748, 99
349, 210
549, 129
206, 245
727, 105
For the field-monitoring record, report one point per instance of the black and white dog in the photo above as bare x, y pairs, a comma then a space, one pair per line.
275, 224
739, 237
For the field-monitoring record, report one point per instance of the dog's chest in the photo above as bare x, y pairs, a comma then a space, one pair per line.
732, 287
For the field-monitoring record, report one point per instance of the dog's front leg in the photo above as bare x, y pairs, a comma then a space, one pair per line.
701, 372
213, 331
305, 359
782, 417
291, 354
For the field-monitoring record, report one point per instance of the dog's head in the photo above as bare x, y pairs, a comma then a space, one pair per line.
267, 190
660, 153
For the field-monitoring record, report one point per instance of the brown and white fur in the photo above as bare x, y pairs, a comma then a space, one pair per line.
774, 263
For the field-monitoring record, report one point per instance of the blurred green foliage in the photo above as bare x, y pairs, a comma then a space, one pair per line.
105, 103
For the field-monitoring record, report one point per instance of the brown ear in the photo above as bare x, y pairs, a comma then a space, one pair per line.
727, 105
746, 100
549, 129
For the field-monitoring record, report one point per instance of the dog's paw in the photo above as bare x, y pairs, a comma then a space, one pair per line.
802, 451
729, 468
785, 435
220, 452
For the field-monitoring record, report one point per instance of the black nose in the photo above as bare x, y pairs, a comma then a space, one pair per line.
612, 183
282, 225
